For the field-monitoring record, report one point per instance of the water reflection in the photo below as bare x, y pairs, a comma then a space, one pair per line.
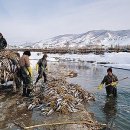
110, 111
78, 66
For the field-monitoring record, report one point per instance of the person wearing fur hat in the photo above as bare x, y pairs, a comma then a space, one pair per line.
26, 73
3, 42
110, 81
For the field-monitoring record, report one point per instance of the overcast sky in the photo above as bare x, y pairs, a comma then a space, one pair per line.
34, 20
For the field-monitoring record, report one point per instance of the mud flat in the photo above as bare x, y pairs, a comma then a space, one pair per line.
56, 105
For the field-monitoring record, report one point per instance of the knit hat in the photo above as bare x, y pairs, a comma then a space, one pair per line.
109, 70
28, 53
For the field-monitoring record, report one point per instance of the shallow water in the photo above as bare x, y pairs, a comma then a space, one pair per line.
114, 112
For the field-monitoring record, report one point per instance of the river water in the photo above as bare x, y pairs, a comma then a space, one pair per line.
115, 112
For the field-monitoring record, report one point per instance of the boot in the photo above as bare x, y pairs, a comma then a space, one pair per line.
35, 83
24, 92
37, 80
28, 92
45, 79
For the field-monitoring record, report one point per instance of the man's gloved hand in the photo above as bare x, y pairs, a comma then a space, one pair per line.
37, 67
114, 84
100, 86
29, 71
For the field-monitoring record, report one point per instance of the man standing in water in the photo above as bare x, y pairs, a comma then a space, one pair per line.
41, 67
110, 80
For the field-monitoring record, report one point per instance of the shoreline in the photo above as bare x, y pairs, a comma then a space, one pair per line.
56, 79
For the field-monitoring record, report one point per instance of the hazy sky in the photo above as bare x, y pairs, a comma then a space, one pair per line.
34, 20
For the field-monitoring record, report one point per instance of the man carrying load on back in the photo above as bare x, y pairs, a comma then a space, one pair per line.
110, 80
41, 66
26, 73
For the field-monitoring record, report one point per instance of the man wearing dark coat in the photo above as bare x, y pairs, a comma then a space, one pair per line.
3, 43
41, 67
110, 81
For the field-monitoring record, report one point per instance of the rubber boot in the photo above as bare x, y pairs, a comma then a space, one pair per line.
24, 92
35, 83
45, 80
36, 80
28, 92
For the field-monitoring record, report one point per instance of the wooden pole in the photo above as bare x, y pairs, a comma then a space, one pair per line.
63, 123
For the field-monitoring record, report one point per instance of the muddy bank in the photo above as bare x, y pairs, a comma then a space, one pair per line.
46, 114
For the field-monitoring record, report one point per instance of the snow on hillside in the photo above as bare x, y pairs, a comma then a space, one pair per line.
104, 38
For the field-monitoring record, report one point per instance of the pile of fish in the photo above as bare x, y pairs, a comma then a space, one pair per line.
63, 103
9, 55
8, 66
60, 96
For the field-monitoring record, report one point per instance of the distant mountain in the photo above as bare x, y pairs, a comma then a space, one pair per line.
104, 38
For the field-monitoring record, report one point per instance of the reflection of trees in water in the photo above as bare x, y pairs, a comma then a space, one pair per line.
110, 110
82, 66
79, 66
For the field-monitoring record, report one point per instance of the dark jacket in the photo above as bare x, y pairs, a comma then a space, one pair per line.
3, 43
109, 79
42, 63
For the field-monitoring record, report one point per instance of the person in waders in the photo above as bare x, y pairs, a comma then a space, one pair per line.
41, 67
26, 73
110, 80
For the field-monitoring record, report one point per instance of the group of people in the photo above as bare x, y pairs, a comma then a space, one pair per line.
26, 71
110, 80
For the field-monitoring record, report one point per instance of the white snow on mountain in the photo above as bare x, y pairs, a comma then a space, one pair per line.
104, 38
